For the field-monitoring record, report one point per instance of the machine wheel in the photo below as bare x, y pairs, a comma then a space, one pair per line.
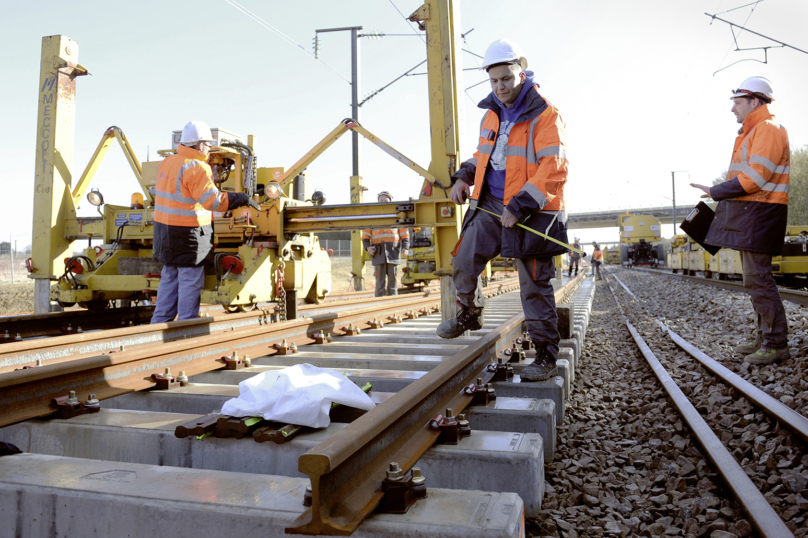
96, 305
65, 305
237, 308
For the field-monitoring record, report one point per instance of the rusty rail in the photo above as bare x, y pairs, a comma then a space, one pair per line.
58, 349
67, 322
347, 469
26, 394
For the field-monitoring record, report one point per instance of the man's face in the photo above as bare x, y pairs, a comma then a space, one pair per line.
204, 148
384, 199
505, 84
743, 106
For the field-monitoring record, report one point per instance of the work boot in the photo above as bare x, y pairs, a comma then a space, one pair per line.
750, 346
542, 369
766, 355
468, 319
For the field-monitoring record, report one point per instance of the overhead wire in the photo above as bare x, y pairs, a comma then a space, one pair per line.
285, 37
416, 32
710, 80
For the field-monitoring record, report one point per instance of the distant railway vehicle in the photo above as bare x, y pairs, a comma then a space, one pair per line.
638, 235
611, 255
791, 267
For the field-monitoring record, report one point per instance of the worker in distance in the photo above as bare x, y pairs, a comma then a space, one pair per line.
184, 198
575, 258
752, 213
597, 260
518, 171
388, 248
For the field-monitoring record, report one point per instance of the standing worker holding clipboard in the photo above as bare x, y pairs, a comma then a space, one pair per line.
752, 213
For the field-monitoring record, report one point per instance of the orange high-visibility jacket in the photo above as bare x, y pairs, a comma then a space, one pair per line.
389, 243
536, 170
385, 235
536, 157
761, 158
597, 255
752, 212
185, 193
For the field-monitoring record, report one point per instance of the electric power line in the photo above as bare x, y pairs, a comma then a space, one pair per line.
416, 32
285, 37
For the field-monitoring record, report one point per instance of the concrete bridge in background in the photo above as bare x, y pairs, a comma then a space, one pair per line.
609, 217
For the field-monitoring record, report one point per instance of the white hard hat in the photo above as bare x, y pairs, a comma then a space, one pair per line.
504, 51
755, 87
384, 193
195, 132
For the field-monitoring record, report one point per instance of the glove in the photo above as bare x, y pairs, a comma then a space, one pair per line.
240, 199
405, 253
372, 251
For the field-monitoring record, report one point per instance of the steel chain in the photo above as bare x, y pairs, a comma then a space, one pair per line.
280, 291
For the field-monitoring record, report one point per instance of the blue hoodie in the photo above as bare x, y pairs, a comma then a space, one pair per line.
508, 117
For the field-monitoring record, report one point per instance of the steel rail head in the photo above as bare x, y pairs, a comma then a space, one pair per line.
757, 508
26, 394
794, 421
58, 349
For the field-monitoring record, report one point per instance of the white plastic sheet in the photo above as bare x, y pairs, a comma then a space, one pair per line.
301, 395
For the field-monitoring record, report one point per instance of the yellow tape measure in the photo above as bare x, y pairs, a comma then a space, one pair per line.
562, 243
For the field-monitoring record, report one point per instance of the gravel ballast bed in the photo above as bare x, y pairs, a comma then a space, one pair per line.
625, 464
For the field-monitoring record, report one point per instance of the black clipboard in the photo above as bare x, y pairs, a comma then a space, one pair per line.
697, 224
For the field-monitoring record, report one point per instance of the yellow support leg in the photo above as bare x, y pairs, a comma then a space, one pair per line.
357, 250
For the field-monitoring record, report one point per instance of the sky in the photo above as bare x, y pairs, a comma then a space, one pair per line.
635, 81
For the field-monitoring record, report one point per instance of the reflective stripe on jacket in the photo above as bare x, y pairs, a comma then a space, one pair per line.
386, 235
389, 243
761, 159
536, 156
185, 193
535, 175
752, 210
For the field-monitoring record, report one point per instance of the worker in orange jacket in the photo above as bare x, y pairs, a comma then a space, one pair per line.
388, 248
597, 259
184, 197
519, 172
752, 213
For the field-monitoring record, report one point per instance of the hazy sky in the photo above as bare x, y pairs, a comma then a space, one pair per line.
633, 81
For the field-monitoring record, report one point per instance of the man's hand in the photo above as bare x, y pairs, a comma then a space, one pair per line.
253, 204
460, 192
508, 219
405, 253
704, 188
371, 250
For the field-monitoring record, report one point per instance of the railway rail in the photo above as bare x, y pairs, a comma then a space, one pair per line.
20, 327
729, 455
127, 456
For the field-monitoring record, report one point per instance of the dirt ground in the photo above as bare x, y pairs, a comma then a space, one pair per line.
341, 275
16, 298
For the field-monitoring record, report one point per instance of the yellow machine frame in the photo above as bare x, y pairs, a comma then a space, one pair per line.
278, 239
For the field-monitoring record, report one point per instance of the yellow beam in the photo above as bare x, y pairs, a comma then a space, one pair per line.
315, 152
113, 133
